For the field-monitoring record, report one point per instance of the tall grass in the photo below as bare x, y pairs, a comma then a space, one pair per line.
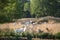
11, 33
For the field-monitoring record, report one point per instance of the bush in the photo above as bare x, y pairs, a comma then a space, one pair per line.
35, 35
7, 33
45, 35
4, 18
24, 34
29, 36
11, 33
57, 35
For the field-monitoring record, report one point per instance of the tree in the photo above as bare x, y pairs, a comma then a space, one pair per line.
51, 7
27, 9
37, 8
45, 8
19, 9
27, 6
7, 8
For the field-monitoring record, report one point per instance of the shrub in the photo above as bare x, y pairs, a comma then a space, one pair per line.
45, 35
35, 35
50, 36
11, 33
57, 35
24, 34
7, 33
4, 18
29, 36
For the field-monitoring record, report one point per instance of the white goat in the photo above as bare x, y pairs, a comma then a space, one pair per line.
21, 29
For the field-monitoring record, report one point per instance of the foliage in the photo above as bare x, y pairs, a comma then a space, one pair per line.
45, 8
57, 35
27, 6
38, 8
11, 33
35, 7
52, 7
7, 8
14, 9
46, 36
7, 33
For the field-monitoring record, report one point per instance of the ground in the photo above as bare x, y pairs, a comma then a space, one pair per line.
45, 24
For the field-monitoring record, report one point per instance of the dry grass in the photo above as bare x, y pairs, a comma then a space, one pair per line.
10, 25
52, 28
52, 25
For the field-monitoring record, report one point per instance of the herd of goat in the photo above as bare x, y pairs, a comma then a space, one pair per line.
26, 25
